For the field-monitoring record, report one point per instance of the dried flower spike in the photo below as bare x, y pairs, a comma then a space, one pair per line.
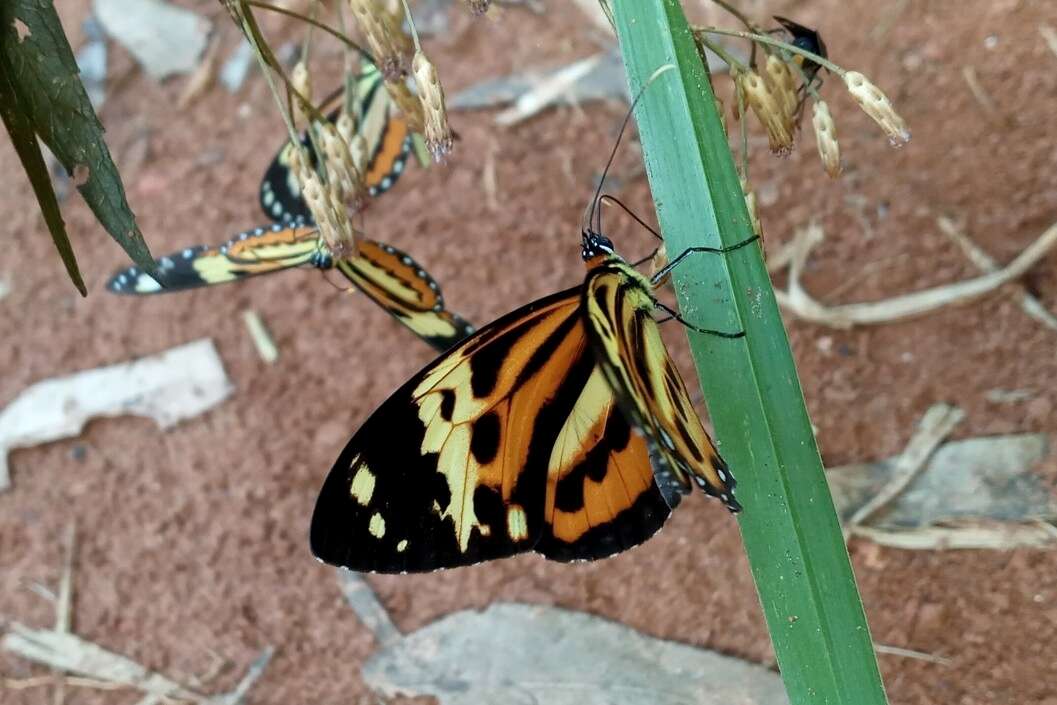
331, 218
658, 262
384, 35
302, 82
783, 86
358, 150
767, 109
754, 213
342, 171
876, 104
438, 134
826, 138
408, 103
346, 127
478, 7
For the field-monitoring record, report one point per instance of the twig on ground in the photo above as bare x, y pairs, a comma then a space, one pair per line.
367, 607
800, 303
910, 653
1050, 35
935, 426
1031, 305
63, 607
995, 535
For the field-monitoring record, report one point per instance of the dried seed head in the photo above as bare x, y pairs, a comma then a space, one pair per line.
767, 109
346, 127
302, 82
299, 162
344, 178
750, 204
358, 150
408, 103
658, 262
331, 218
783, 86
438, 134
385, 36
876, 104
478, 7
826, 138
720, 111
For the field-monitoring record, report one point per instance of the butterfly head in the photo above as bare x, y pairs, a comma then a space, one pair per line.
595, 247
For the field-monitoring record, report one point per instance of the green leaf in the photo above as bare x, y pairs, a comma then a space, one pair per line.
43, 74
789, 527
25, 141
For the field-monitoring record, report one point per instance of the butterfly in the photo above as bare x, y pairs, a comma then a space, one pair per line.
388, 139
562, 428
389, 277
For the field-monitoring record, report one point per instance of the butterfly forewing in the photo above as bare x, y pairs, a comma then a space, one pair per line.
618, 305
510, 442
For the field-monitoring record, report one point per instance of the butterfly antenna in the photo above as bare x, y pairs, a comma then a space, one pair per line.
589, 213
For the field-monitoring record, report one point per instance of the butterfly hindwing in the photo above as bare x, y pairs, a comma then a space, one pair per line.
602, 497
618, 304
396, 282
253, 252
388, 147
509, 442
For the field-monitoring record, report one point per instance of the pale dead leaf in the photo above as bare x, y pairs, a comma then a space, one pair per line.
520, 654
164, 38
169, 387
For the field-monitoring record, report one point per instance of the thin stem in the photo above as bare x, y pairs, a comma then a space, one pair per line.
738, 14
764, 39
722, 53
743, 127
249, 28
329, 30
411, 24
349, 97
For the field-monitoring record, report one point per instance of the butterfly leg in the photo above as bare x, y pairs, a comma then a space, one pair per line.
672, 314
664, 271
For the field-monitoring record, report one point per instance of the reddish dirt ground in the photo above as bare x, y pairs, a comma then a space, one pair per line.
193, 541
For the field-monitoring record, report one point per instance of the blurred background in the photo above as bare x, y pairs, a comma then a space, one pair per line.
191, 551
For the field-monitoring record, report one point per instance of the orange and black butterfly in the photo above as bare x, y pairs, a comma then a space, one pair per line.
389, 277
562, 428
388, 140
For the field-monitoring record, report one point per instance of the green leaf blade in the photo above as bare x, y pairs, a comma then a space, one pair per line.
789, 527
28, 150
43, 73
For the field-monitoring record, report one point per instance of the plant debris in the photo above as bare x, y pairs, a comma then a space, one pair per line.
169, 387
164, 39
514, 653
261, 339
91, 61
65, 653
972, 493
597, 77
233, 72
800, 303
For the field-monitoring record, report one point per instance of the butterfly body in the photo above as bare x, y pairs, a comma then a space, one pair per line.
535, 433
